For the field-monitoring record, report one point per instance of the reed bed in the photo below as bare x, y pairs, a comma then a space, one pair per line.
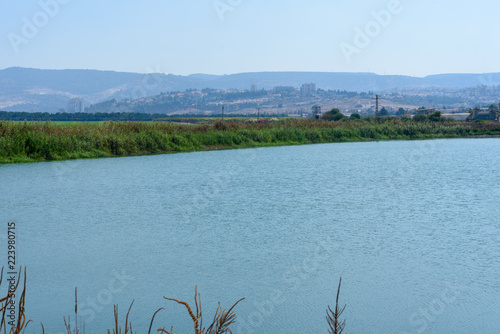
46, 141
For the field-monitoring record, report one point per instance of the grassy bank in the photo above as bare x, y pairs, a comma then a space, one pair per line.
45, 141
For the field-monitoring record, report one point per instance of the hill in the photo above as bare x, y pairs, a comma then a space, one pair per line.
24, 89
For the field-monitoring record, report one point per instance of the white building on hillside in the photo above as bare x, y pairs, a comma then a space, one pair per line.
75, 105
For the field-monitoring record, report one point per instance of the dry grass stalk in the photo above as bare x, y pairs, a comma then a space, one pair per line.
128, 326
76, 312
68, 323
5, 301
221, 321
333, 316
21, 317
163, 330
198, 319
153, 318
21, 323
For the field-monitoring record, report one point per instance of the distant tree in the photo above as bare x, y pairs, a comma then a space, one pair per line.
400, 111
355, 116
383, 112
419, 118
493, 107
435, 116
334, 115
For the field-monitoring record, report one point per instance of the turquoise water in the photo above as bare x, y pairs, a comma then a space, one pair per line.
412, 227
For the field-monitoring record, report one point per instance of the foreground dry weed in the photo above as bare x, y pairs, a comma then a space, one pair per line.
128, 325
220, 323
333, 316
21, 322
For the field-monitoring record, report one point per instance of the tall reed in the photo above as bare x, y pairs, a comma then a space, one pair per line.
45, 141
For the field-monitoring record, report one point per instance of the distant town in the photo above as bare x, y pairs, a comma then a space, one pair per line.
305, 101
274, 94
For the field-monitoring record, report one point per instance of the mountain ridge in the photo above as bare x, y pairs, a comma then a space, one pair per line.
31, 89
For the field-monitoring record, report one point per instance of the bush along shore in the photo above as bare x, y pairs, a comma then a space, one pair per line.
47, 141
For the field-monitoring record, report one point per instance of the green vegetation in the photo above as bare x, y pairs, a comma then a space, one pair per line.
334, 115
107, 116
420, 118
435, 116
45, 141
384, 112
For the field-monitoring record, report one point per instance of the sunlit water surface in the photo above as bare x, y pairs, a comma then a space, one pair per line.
413, 228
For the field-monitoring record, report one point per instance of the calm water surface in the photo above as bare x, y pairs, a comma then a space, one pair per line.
413, 228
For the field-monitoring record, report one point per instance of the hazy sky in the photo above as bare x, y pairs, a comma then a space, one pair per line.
410, 37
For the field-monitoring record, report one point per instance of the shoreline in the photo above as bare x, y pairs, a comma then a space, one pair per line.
29, 142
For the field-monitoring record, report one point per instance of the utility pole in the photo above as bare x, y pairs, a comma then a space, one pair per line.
376, 106
223, 113
258, 113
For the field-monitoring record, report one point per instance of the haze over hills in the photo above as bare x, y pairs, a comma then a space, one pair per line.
24, 89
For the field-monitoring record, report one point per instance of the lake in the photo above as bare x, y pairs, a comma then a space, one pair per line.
412, 227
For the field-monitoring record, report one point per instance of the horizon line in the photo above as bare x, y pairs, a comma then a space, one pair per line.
255, 72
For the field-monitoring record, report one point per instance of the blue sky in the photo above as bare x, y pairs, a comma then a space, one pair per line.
408, 37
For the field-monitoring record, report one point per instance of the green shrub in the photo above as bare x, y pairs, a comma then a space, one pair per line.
419, 118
